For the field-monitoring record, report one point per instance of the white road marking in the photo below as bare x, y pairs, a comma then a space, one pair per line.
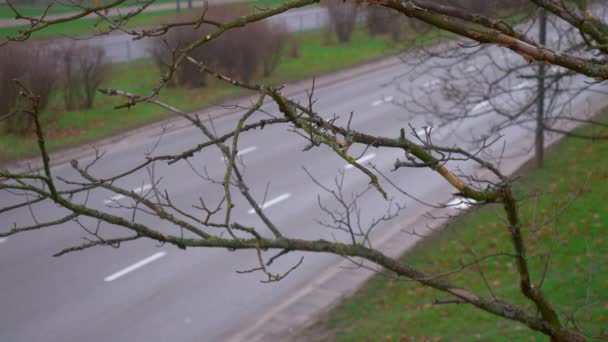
522, 85
135, 266
432, 83
2, 240
136, 190
470, 69
461, 203
480, 106
385, 99
424, 131
271, 202
243, 151
143, 188
361, 160
114, 199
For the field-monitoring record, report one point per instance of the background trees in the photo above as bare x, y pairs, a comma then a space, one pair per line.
504, 88
47, 70
239, 53
202, 224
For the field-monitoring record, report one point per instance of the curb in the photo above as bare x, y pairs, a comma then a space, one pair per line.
176, 123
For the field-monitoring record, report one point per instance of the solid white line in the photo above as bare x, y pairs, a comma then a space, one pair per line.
480, 106
135, 266
377, 103
272, 202
461, 203
136, 190
388, 99
2, 240
243, 151
361, 160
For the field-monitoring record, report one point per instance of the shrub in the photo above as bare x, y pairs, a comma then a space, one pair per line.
238, 53
162, 52
342, 18
273, 48
83, 68
384, 21
34, 65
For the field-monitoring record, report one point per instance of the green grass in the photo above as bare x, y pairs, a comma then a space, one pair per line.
38, 9
89, 26
389, 310
70, 128
92, 25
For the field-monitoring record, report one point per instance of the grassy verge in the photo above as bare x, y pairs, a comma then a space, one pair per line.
576, 281
38, 9
71, 128
90, 26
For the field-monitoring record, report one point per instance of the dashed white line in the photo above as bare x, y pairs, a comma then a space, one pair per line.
243, 151
470, 69
135, 266
481, 106
2, 240
424, 131
271, 202
432, 83
460, 203
522, 85
114, 199
384, 99
136, 190
361, 160
143, 188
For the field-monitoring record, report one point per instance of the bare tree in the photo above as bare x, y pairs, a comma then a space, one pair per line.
209, 220
84, 69
487, 82
238, 53
32, 65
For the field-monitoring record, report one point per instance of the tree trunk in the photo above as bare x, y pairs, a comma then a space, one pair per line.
540, 100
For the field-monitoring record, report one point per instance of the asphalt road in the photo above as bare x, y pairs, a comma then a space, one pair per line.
146, 292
